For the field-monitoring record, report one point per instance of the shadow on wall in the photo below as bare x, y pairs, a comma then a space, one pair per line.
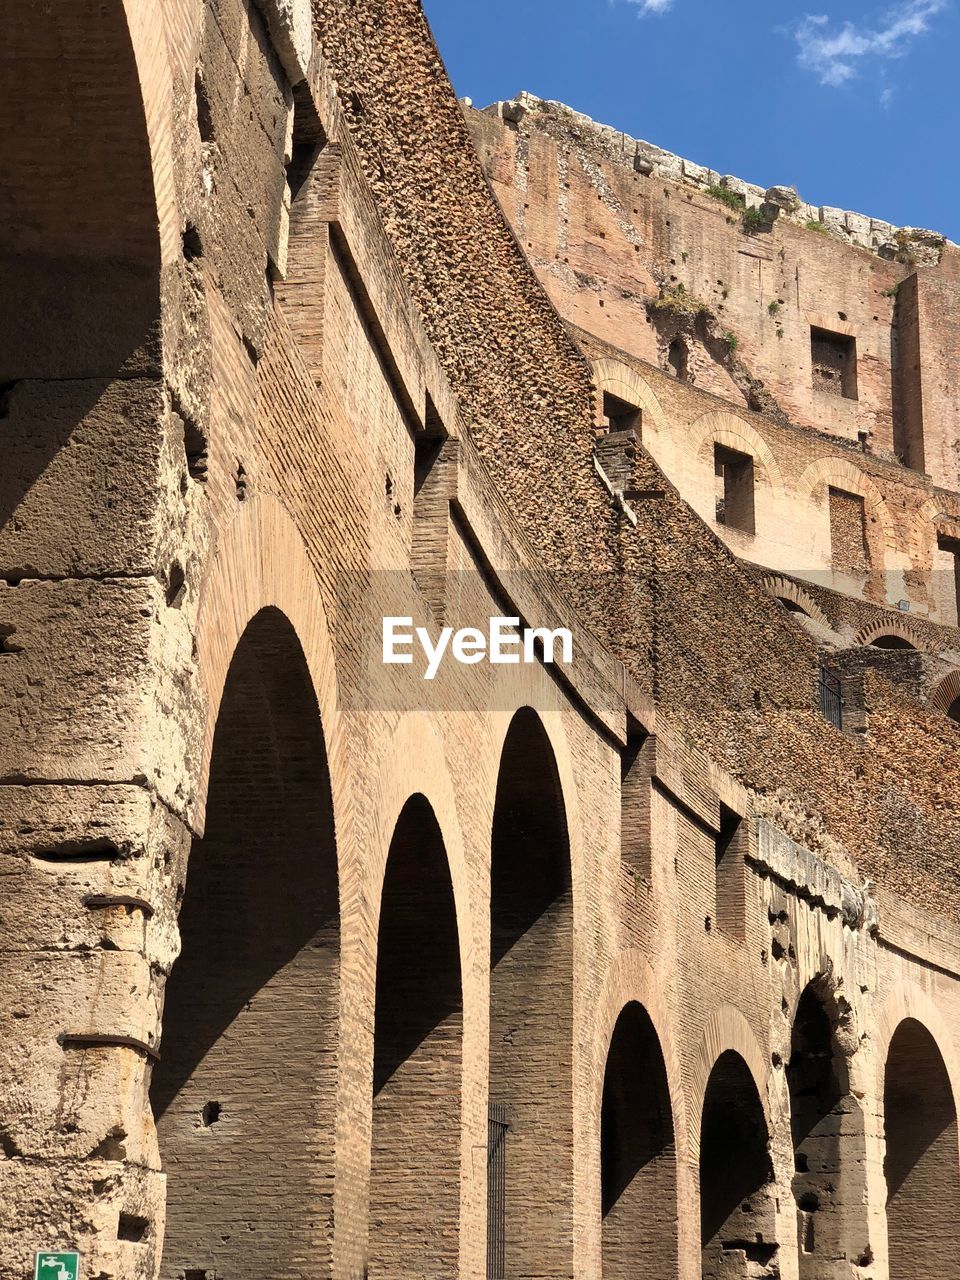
417, 1069
922, 1163
638, 1159
737, 1212
244, 1095
79, 276
529, 1225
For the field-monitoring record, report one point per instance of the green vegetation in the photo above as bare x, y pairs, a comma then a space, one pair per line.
679, 303
753, 219
730, 198
774, 307
732, 341
814, 225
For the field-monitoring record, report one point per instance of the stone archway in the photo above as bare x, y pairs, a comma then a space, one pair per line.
922, 1163
245, 1093
638, 1158
418, 1060
829, 1145
737, 1205
531, 1012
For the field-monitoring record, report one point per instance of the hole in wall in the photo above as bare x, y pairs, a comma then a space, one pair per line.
176, 585
132, 1228
7, 644
192, 243
677, 359
210, 1114
6, 388
79, 851
204, 114
195, 449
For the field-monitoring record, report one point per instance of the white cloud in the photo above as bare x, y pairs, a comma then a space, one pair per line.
647, 7
835, 54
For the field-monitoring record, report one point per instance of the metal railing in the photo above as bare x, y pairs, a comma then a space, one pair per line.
831, 702
496, 1190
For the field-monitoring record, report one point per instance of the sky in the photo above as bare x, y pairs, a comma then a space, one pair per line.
855, 104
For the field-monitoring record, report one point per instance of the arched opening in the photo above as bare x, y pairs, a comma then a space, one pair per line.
829, 1150
791, 606
244, 1094
418, 1028
638, 1162
891, 642
737, 1208
953, 711
922, 1163
531, 1012
677, 359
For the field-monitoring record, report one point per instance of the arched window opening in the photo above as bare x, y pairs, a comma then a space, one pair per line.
829, 1151
922, 1163
891, 642
791, 606
244, 1094
531, 1010
737, 1207
418, 1029
677, 358
638, 1167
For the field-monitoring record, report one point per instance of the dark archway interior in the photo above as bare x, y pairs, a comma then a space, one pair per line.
638, 1166
737, 1216
954, 711
922, 1163
415, 1157
891, 642
244, 1094
531, 1009
829, 1149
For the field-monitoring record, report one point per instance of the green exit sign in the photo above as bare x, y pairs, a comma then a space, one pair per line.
56, 1266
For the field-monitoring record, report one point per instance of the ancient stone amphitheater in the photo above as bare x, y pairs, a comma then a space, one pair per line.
641, 965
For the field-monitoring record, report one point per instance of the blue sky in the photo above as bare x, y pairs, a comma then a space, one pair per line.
856, 104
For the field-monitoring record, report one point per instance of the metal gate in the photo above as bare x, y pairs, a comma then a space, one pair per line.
831, 703
496, 1190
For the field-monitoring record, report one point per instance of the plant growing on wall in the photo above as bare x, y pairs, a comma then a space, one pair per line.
732, 199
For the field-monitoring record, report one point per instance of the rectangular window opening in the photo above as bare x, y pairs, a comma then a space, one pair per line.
734, 489
831, 699
848, 532
729, 868
834, 360
949, 549
618, 415
636, 780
